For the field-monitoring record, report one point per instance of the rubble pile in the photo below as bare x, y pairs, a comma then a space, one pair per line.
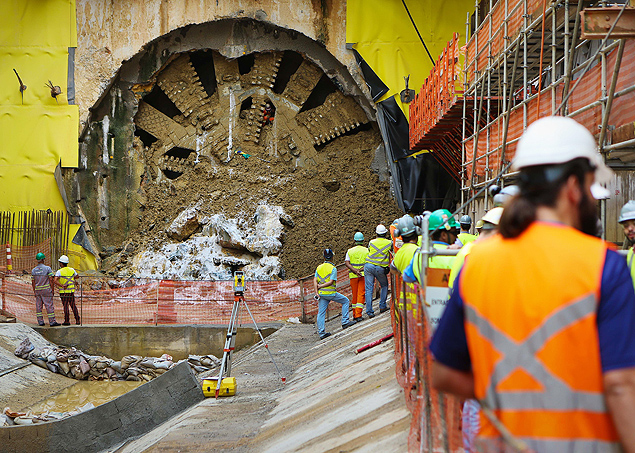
73, 363
221, 245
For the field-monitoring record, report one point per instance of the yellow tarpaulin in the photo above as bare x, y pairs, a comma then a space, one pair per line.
385, 37
36, 67
38, 23
37, 131
80, 258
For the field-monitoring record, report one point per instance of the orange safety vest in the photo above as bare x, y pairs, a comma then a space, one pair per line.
530, 310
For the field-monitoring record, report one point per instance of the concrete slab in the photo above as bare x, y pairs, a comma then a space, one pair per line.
334, 399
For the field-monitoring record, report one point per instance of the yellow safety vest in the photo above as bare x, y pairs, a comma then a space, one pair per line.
378, 250
437, 262
401, 261
323, 273
66, 276
466, 238
357, 258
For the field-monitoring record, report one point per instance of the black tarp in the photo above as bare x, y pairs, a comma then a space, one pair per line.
421, 182
373, 82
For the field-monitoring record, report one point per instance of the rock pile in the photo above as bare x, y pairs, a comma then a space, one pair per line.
220, 246
78, 365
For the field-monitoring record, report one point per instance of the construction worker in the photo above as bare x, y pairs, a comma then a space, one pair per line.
488, 228
43, 284
65, 280
409, 234
376, 268
464, 236
627, 220
441, 224
539, 326
354, 261
324, 284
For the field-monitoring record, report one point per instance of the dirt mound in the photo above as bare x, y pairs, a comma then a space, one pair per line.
327, 203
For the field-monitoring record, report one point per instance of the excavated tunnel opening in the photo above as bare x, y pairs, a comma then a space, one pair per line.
250, 143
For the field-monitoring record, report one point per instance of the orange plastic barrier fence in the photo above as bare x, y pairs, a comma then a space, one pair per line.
436, 114
105, 300
436, 417
23, 257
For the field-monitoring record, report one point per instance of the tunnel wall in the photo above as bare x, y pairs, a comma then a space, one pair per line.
109, 33
112, 423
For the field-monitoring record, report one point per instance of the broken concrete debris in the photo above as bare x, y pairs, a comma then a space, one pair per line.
223, 245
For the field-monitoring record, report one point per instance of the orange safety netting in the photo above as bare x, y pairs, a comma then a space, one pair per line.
588, 90
23, 257
105, 300
436, 418
478, 48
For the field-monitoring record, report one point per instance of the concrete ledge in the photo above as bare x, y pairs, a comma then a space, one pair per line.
126, 417
179, 340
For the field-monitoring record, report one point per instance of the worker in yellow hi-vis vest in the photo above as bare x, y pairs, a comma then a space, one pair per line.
65, 280
354, 261
377, 267
324, 284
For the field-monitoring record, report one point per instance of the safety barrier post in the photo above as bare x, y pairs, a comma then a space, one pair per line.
301, 283
81, 301
9, 259
4, 291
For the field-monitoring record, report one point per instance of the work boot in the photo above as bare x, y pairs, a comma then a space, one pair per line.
371, 315
360, 319
348, 324
383, 310
40, 323
55, 324
66, 323
324, 335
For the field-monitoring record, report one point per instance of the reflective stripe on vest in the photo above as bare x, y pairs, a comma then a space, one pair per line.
556, 394
378, 250
324, 272
524, 328
66, 277
357, 258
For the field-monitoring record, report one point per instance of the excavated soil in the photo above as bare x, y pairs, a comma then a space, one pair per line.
328, 202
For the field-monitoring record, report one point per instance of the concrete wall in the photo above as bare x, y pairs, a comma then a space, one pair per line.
109, 33
178, 341
128, 416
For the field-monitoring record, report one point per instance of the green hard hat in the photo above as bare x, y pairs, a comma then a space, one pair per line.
40, 256
438, 217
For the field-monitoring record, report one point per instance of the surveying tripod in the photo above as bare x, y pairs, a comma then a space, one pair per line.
232, 329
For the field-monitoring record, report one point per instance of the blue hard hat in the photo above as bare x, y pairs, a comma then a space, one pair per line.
359, 236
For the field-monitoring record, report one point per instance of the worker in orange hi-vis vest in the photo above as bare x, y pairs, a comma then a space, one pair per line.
354, 261
539, 325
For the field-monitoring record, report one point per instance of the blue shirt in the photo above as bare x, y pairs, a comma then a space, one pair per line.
615, 322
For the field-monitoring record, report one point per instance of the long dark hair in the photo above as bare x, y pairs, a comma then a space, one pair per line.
539, 186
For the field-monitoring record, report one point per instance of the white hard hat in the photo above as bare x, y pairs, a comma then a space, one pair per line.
493, 216
63, 259
627, 212
381, 229
557, 140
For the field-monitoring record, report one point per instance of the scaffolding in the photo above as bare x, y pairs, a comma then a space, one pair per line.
521, 61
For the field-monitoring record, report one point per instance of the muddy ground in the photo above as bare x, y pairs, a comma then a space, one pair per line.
328, 203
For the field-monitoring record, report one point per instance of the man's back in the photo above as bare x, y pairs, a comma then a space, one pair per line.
530, 310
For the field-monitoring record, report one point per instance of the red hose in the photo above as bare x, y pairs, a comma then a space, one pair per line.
375, 343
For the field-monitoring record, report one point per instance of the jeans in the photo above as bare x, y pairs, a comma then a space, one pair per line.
323, 305
372, 272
